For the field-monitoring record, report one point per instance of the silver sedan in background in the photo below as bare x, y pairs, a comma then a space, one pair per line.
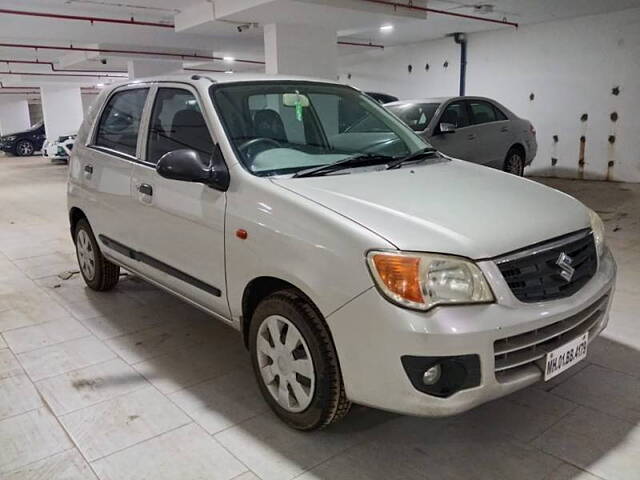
475, 129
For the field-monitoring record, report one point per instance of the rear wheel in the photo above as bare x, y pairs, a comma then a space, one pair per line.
24, 148
514, 163
295, 362
98, 272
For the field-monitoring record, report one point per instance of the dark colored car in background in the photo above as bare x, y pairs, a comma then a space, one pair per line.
382, 97
24, 143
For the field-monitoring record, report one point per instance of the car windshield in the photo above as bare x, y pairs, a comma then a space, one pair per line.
416, 115
280, 128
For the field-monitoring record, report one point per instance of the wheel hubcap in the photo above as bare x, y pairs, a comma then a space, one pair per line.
25, 148
515, 164
86, 255
285, 363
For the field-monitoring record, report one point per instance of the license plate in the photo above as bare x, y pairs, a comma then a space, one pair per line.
566, 356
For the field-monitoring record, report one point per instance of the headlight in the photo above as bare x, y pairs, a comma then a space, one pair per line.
423, 280
10, 139
597, 227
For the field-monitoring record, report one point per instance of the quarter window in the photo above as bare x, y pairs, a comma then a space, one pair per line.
177, 123
482, 112
120, 121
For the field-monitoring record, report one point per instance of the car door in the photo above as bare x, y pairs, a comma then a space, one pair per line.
105, 169
492, 130
180, 231
459, 143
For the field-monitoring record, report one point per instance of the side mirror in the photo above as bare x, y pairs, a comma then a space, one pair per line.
186, 165
447, 128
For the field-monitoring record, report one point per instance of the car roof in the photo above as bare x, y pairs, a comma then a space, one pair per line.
437, 100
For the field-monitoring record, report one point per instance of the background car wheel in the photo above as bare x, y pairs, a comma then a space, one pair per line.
24, 148
98, 272
295, 362
514, 163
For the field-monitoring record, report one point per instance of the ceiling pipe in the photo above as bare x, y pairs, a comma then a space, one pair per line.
54, 69
133, 22
40, 74
127, 52
360, 44
408, 6
92, 20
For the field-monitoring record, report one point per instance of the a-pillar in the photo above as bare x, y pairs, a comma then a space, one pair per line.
14, 115
151, 68
293, 49
61, 110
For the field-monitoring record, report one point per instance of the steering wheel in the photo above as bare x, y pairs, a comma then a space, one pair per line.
247, 147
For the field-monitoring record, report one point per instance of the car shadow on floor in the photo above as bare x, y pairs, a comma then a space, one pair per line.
584, 420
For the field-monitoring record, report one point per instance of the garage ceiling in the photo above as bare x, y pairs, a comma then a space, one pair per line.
359, 23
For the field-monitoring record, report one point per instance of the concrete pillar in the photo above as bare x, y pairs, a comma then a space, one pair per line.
14, 116
152, 68
61, 110
300, 50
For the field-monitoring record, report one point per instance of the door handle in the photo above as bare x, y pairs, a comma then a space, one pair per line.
504, 129
88, 171
471, 136
145, 189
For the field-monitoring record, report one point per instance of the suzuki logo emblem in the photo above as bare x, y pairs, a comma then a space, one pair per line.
564, 261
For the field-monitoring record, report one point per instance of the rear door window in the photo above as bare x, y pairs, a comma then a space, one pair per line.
482, 112
120, 121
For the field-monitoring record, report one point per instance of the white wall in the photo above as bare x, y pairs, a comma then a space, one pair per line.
570, 66
14, 116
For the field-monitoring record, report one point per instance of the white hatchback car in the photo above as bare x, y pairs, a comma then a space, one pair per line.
359, 266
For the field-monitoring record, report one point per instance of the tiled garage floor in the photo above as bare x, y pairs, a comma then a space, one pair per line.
134, 384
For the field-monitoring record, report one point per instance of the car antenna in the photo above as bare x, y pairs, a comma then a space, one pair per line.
198, 77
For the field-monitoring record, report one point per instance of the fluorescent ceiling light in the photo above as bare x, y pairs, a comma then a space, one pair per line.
386, 28
228, 59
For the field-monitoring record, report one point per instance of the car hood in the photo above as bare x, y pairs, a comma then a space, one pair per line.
450, 207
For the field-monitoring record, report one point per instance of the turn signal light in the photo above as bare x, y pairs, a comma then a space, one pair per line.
400, 275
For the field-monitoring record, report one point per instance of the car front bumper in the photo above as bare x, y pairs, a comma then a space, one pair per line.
371, 336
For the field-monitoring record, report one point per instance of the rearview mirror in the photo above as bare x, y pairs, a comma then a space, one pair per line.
447, 127
186, 165
294, 100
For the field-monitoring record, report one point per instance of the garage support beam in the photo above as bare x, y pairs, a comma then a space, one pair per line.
14, 115
300, 50
61, 110
151, 68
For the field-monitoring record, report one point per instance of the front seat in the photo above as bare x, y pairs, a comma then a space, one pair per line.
268, 124
189, 130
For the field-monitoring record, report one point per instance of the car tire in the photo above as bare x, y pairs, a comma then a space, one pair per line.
24, 148
514, 162
99, 273
301, 362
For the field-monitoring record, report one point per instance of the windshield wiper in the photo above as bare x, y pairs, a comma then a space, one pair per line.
419, 155
359, 160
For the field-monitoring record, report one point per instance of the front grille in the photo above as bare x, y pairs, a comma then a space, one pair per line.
521, 351
533, 274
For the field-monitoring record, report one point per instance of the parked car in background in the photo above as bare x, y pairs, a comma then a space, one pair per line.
59, 149
476, 129
24, 143
382, 97
359, 265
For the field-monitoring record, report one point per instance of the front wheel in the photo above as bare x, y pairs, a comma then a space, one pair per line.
514, 162
98, 272
24, 148
295, 362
